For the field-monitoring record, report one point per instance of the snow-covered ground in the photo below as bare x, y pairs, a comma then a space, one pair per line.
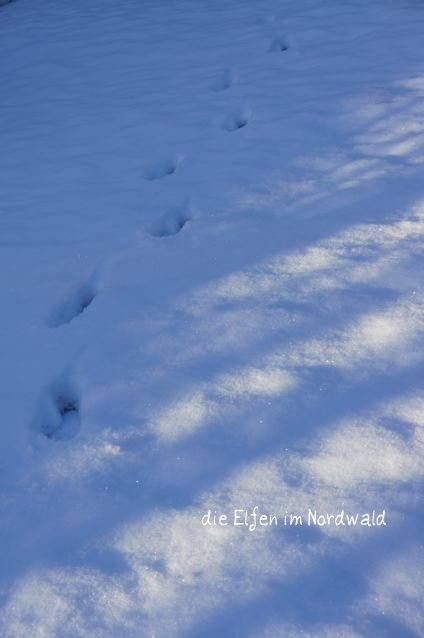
212, 224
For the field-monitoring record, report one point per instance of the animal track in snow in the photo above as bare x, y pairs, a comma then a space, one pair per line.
236, 120
278, 44
75, 306
161, 169
224, 81
59, 414
171, 223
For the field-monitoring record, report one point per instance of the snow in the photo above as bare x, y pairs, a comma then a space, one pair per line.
212, 223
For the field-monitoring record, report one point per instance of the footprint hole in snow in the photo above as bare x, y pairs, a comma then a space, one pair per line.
171, 223
235, 121
59, 414
224, 81
279, 44
74, 306
161, 169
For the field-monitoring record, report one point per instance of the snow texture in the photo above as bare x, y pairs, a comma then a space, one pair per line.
212, 225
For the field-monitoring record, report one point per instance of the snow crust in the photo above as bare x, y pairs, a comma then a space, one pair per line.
212, 224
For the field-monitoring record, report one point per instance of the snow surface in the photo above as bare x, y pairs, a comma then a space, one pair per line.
212, 223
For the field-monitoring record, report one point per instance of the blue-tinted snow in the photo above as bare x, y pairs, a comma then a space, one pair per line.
212, 223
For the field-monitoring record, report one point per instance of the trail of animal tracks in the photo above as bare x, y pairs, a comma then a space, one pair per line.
211, 230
